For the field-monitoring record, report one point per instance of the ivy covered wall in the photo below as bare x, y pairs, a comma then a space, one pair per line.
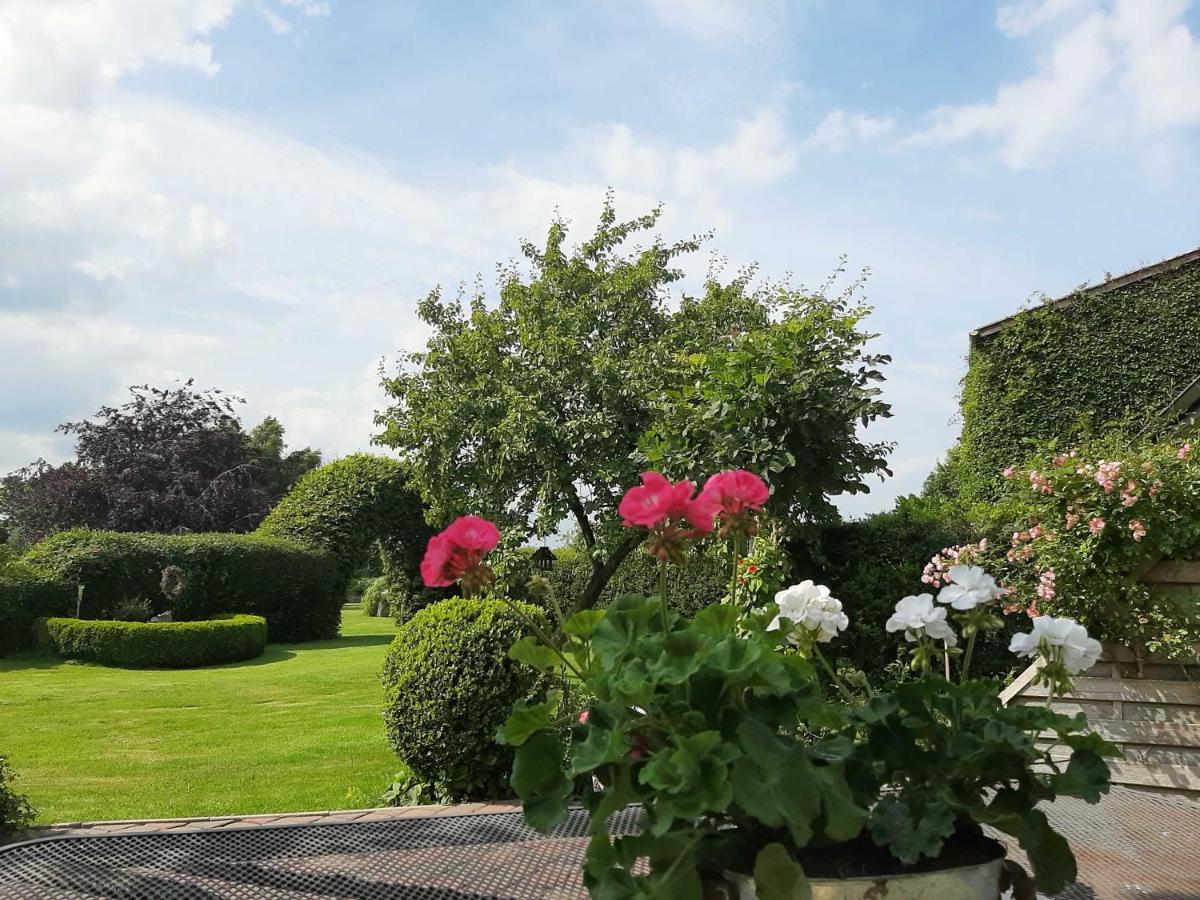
1112, 359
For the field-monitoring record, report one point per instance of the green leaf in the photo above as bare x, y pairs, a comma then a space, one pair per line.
583, 623
907, 836
524, 719
533, 652
538, 779
779, 877
1086, 777
602, 745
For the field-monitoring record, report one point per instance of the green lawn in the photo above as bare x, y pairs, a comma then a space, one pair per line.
296, 729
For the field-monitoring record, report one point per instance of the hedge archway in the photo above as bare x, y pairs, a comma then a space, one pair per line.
351, 507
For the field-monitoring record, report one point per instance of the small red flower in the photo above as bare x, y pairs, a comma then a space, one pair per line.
583, 717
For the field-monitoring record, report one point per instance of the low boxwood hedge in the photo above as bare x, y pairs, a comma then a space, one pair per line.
157, 645
297, 588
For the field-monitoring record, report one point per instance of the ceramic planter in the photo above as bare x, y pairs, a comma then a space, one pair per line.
977, 882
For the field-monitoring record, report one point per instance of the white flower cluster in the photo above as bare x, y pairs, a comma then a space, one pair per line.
917, 616
811, 609
967, 587
1060, 640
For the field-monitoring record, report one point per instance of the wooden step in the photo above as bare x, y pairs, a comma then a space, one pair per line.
1161, 776
1162, 734
1135, 691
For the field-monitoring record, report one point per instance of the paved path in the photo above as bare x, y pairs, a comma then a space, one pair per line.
1132, 845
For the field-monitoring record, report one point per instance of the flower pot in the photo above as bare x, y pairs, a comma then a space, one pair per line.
975, 882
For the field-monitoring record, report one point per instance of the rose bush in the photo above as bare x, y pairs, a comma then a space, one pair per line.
1087, 523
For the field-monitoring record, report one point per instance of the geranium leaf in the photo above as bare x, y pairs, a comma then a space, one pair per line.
779, 877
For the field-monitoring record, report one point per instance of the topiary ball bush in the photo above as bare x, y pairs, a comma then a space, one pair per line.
449, 685
15, 811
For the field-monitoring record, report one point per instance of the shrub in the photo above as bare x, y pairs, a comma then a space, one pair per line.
296, 588
15, 811
703, 580
377, 599
449, 685
26, 595
159, 645
346, 507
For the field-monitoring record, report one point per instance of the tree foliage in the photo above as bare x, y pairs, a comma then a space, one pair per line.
168, 460
547, 405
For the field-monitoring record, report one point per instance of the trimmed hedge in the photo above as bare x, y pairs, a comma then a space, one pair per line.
346, 507
27, 595
159, 645
296, 588
449, 685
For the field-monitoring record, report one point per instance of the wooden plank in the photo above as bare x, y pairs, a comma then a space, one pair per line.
1173, 571
1158, 734
1180, 693
1021, 682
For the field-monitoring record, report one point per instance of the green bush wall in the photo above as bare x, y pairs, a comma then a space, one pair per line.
27, 594
1110, 361
161, 645
296, 588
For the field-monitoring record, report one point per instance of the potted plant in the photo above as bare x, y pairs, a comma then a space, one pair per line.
759, 771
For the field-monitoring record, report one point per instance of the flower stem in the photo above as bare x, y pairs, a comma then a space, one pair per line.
662, 592
946, 658
966, 666
842, 689
735, 546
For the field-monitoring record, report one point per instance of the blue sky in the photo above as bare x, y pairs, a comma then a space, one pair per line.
256, 193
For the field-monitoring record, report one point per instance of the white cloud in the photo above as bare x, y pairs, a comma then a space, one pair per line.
758, 153
1126, 62
1019, 18
839, 128
65, 52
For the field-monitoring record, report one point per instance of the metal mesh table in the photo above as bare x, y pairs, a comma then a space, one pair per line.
1133, 845
445, 858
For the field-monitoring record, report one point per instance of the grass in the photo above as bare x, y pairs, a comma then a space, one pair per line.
297, 729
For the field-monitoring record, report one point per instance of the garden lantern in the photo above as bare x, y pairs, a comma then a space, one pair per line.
543, 559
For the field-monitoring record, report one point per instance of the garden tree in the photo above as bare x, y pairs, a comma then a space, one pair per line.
548, 406
278, 469
169, 460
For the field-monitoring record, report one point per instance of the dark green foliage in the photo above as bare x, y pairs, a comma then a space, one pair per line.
450, 684
705, 725
963, 760
27, 594
377, 598
352, 507
1111, 360
296, 588
690, 588
15, 811
871, 563
160, 645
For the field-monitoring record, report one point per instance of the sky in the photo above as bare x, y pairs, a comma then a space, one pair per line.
256, 193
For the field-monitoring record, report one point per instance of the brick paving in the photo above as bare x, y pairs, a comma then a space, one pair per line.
1133, 845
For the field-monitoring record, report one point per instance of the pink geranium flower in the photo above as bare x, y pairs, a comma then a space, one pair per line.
657, 502
1095, 525
735, 491
458, 551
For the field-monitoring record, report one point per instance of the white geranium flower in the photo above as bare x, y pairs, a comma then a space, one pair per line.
1077, 652
917, 616
810, 606
969, 587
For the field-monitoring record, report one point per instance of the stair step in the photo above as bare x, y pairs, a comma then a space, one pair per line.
1182, 693
1163, 776
1161, 734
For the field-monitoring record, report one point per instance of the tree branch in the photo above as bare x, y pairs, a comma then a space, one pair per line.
576, 506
